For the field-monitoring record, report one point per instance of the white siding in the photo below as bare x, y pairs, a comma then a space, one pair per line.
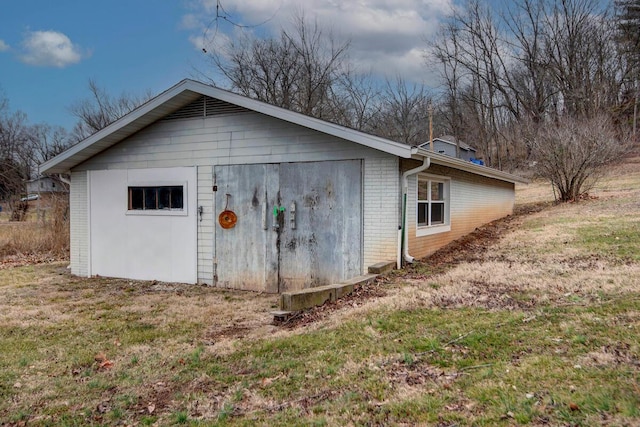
78, 203
254, 138
221, 140
142, 245
381, 209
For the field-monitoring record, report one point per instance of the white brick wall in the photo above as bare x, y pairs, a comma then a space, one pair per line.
381, 209
475, 200
205, 226
78, 203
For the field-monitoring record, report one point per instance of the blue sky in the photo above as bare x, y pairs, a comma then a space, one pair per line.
129, 46
49, 49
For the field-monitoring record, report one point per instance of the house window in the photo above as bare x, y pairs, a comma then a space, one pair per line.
433, 205
156, 198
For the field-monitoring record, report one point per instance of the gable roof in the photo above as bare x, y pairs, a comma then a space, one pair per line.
188, 91
183, 94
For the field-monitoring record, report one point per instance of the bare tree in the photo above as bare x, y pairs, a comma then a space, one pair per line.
628, 39
101, 109
404, 115
14, 153
46, 141
299, 70
539, 61
356, 101
473, 57
572, 152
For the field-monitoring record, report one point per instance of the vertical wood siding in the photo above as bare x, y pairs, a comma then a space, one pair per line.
474, 201
79, 231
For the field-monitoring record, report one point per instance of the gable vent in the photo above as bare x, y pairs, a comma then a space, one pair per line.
205, 106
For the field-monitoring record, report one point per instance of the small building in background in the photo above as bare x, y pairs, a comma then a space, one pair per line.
447, 145
46, 184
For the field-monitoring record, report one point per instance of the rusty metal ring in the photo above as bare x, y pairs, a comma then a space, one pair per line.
227, 219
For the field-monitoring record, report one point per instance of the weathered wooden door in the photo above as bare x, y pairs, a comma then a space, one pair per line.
320, 242
299, 225
246, 255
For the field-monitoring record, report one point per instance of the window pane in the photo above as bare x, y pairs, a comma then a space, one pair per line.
422, 213
164, 198
422, 189
176, 198
136, 197
437, 213
437, 191
150, 194
153, 198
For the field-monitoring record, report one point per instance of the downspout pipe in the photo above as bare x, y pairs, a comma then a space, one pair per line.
404, 246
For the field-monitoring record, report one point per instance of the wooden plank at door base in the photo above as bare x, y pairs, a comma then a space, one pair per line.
313, 297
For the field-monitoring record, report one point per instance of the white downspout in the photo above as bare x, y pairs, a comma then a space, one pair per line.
405, 190
64, 180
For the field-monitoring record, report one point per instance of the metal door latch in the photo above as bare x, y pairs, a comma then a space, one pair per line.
277, 210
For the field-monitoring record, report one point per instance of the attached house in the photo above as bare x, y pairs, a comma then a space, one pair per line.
201, 185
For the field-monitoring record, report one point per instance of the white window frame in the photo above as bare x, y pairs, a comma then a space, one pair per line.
426, 229
158, 212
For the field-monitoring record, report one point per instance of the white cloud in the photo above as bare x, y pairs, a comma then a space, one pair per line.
190, 22
49, 49
387, 36
3, 46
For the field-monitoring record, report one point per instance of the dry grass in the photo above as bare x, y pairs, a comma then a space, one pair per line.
540, 328
43, 236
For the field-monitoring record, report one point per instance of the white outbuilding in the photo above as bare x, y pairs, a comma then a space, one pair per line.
201, 185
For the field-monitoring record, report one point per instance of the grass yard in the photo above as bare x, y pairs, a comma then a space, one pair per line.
541, 327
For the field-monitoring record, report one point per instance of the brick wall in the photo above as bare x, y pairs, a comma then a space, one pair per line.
78, 204
381, 209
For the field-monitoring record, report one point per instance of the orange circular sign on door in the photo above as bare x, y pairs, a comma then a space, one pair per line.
227, 219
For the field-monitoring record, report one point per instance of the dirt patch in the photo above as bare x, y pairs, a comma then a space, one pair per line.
473, 246
613, 355
157, 399
12, 261
226, 332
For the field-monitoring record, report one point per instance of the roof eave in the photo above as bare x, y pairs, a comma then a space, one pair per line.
187, 91
125, 126
444, 160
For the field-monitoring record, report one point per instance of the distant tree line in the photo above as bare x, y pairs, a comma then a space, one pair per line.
515, 83
550, 85
24, 146
553, 82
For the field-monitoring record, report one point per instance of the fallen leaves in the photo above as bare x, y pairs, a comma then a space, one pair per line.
103, 362
20, 260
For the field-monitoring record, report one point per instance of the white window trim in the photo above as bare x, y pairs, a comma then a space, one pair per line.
159, 212
428, 230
